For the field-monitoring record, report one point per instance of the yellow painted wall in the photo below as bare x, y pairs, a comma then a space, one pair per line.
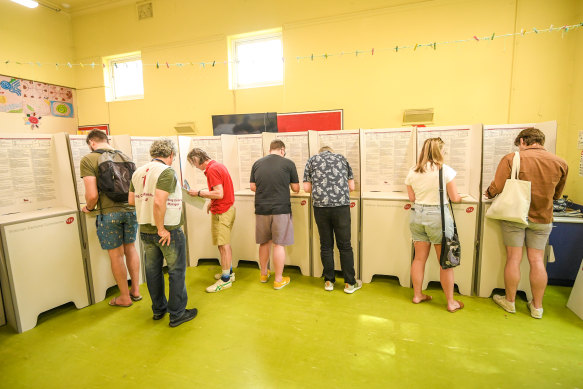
36, 35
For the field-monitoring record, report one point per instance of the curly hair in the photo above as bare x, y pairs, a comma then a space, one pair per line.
162, 148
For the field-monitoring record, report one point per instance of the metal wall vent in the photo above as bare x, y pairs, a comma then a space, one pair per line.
145, 10
418, 116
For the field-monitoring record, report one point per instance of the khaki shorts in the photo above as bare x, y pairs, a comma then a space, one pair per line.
535, 235
221, 226
277, 228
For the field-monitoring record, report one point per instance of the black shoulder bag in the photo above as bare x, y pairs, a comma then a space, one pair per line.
450, 247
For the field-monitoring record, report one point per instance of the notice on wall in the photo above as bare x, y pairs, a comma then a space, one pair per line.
386, 159
347, 144
296, 148
250, 149
213, 148
141, 150
580, 141
457, 152
497, 143
79, 149
26, 172
581, 165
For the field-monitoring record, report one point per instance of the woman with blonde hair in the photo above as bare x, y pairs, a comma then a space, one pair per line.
425, 220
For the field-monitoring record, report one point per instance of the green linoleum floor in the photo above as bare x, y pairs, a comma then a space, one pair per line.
251, 336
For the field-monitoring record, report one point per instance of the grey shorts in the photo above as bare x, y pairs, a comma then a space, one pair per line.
277, 228
535, 235
425, 223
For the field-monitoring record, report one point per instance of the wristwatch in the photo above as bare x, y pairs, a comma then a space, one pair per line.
199, 193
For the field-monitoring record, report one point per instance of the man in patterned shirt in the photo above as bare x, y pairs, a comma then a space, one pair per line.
328, 176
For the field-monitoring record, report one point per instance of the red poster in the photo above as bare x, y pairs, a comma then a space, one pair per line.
84, 130
304, 121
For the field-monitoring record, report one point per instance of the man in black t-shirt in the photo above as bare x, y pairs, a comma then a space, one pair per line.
271, 178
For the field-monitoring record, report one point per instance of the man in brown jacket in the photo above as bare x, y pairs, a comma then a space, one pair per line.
547, 174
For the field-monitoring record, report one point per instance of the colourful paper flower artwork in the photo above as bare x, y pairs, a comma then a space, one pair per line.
32, 120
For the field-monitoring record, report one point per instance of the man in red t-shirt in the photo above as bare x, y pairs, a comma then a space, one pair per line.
220, 192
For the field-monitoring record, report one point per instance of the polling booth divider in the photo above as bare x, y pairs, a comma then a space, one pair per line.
386, 246
497, 141
38, 204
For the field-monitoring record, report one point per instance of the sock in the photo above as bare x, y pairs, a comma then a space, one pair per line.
226, 276
231, 272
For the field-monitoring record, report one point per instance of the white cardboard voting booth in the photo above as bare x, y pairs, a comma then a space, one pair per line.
221, 149
386, 247
347, 143
575, 302
2, 315
498, 140
98, 265
463, 146
38, 204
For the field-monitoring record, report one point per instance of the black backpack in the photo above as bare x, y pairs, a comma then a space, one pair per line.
114, 174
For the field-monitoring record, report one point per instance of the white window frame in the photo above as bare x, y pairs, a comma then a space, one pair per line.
108, 75
235, 40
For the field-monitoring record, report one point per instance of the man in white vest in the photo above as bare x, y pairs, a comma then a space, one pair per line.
155, 190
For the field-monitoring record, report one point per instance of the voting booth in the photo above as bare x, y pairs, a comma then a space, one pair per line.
346, 143
2, 316
198, 232
297, 150
463, 147
38, 204
498, 140
386, 246
249, 148
575, 302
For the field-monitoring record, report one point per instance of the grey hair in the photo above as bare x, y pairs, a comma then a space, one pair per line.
325, 148
162, 148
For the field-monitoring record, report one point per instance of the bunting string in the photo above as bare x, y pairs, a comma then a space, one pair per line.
325, 56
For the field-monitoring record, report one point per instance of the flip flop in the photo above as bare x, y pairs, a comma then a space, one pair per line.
456, 309
114, 303
425, 298
135, 298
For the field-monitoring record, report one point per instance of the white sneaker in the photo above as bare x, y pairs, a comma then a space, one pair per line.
329, 286
219, 275
505, 304
537, 313
219, 285
352, 288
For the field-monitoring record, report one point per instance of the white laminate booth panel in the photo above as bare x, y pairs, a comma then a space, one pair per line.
492, 259
386, 240
317, 266
243, 233
575, 302
41, 276
466, 217
298, 254
2, 316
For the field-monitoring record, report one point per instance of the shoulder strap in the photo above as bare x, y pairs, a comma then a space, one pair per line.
443, 205
515, 166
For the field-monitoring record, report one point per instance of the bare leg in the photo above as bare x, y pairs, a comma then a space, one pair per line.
278, 261
538, 275
512, 272
264, 250
133, 264
120, 273
226, 256
447, 282
418, 269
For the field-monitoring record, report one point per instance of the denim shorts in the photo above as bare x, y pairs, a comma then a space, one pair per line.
116, 228
535, 235
425, 223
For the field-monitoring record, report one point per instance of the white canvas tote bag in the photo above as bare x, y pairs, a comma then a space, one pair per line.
514, 202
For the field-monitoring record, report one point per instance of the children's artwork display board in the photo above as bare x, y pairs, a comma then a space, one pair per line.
98, 262
249, 150
317, 267
223, 150
498, 140
386, 157
386, 251
296, 149
462, 146
345, 142
38, 204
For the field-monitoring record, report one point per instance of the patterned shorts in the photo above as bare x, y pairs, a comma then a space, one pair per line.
116, 228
